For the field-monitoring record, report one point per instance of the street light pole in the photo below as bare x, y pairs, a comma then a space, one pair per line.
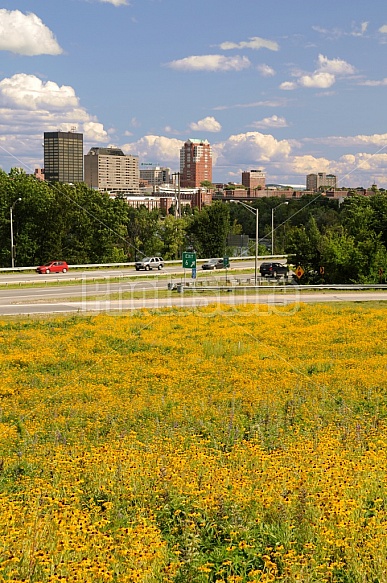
272, 224
12, 245
256, 213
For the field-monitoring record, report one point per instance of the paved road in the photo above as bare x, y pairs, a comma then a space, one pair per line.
7, 277
29, 302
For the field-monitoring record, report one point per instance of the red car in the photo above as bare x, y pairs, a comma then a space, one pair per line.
53, 267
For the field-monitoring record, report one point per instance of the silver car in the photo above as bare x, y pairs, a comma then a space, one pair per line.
149, 263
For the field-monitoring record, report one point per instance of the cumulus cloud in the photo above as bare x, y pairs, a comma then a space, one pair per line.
30, 107
159, 149
270, 122
383, 29
309, 164
251, 148
323, 77
208, 124
25, 34
94, 132
29, 92
265, 70
321, 80
254, 43
335, 66
210, 63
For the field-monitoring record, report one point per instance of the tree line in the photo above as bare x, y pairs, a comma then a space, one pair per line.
334, 242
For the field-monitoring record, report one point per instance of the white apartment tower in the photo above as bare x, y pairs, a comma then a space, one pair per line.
110, 170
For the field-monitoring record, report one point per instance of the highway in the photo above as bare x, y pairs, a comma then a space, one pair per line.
122, 290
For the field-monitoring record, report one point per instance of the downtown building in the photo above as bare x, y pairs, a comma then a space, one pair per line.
315, 182
63, 157
253, 181
155, 175
195, 163
110, 170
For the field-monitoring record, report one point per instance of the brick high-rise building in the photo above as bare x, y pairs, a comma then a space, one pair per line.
253, 181
195, 163
63, 157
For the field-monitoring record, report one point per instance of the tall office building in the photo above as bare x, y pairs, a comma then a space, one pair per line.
63, 157
253, 181
195, 163
110, 170
156, 175
316, 181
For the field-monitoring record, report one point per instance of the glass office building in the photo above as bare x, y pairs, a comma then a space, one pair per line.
63, 157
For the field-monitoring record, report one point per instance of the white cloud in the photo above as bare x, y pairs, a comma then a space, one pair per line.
265, 70
208, 124
94, 132
158, 149
323, 77
29, 92
172, 131
383, 29
320, 80
25, 34
210, 63
251, 148
363, 29
254, 43
309, 164
379, 140
116, 2
268, 103
380, 83
270, 122
30, 107
288, 86
335, 66
357, 30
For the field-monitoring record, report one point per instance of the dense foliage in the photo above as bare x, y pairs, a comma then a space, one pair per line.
334, 243
228, 445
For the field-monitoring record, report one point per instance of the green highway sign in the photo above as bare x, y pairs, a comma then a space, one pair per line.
226, 262
189, 260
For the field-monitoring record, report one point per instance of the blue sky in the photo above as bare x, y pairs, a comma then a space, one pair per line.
288, 87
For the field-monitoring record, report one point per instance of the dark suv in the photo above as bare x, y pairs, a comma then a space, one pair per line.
273, 269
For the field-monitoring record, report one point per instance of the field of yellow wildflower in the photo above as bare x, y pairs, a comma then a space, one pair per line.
195, 446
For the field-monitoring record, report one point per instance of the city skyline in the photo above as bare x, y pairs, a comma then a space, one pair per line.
273, 85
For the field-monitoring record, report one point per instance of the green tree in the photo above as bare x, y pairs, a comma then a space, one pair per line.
143, 232
208, 229
172, 235
303, 246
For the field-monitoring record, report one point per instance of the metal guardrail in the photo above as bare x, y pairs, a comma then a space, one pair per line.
192, 287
